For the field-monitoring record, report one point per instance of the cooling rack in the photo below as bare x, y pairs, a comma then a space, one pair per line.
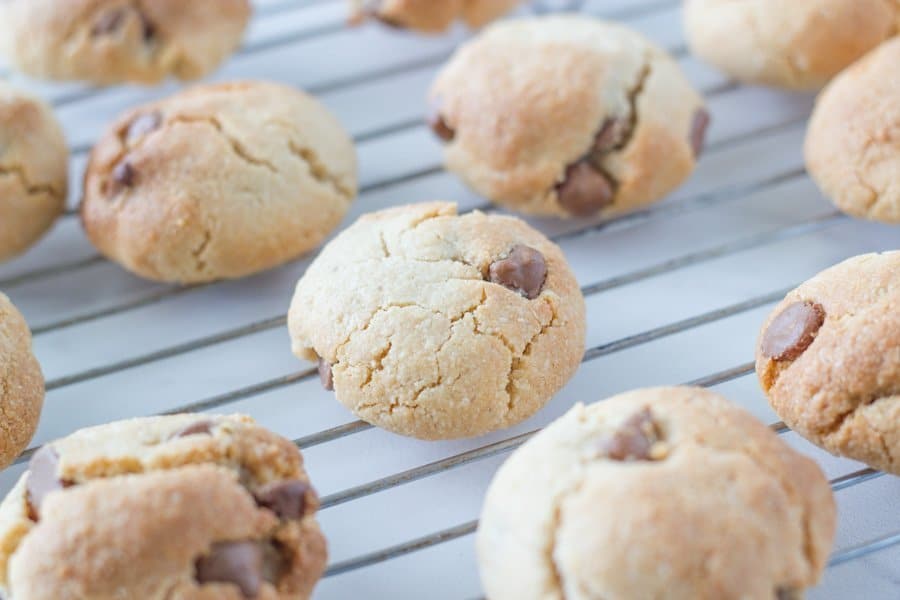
675, 294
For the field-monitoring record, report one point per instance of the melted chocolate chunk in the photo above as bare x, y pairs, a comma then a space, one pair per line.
42, 479
123, 175
585, 191
792, 331
325, 375
108, 22
287, 499
524, 271
198, 428
634, 439
238, 563
698, 130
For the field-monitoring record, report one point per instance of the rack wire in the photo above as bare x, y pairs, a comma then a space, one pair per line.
697, 273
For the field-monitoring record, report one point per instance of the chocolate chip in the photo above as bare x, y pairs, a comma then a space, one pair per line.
585, 190
148, 29
698, 130
523, 271
108, 22
792, 331
440, 128
287, 499
787, 593
143, 125
611, 134
634, 439
325, 374
198, 428
240, 563
42, 479
123, 175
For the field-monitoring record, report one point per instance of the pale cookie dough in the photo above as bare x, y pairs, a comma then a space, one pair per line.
114, 41
217, 182
21, 384
567, 116
853, 142
431, 16
34, 162
658, 493
828, 359
187, 506
437, 325
796, 44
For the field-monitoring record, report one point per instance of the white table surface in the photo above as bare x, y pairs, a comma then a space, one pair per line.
675, 293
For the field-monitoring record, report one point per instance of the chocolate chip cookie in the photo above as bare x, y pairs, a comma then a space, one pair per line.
186, 506
658, 493
437, 325
21, 383
828, 359
797, 45
567, 116
114, 41
34, 174
853, 141
430, 16
219, 181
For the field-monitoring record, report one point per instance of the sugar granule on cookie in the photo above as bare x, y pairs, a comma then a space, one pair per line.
638, 495
438, 325
163, 507
828, 359
567, 116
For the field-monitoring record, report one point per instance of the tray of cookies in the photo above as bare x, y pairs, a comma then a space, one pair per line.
451, 299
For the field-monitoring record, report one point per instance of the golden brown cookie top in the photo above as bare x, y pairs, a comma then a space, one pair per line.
113, 41
638, 495
567, 116
853, 142
440, 325
187, 505
431, 16
828, 358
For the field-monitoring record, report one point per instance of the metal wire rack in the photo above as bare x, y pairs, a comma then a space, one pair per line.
675, 294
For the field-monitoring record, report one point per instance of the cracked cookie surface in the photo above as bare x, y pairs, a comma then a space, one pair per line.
186, 506
114, 41
657, 493
567, 116
437, 325
795, 45
217, 182
34, 162
21, 384
852, 145
828, 359
431, 16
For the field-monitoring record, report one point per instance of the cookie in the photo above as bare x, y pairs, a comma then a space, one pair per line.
437, 325
795, 45
114, 41
34, 161
658, 493
431, 16
185, 506
217, 182
567, 116
21, 383
828, 359
853, 142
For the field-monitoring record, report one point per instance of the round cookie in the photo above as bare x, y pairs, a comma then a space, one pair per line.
658, 493
21, 383
114, 41
219, 181
431, 16
567, 116
796, 45
186, 506
853, 142
34, 162
828, 359
437, 325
